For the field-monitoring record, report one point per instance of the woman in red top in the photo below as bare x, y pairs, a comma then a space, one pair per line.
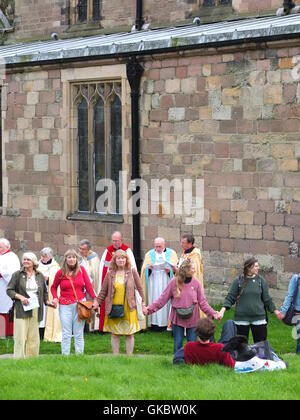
67, 300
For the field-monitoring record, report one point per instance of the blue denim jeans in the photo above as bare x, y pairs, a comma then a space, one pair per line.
70, 326
298, 335
178, 334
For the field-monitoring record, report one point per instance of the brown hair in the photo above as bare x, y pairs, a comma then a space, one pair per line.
65, 268
248, 264
205, 329
182, 273
113, 263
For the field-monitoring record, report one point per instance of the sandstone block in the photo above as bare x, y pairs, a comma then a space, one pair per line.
239, 205
231, 96
289, 165
282, 151
189, 85
173, 86
273, 94
176, 114
253, 232
282, 233
41, 163
237, 231
33, 98
245, 217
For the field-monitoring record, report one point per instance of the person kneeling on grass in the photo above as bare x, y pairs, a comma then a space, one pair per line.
203, 351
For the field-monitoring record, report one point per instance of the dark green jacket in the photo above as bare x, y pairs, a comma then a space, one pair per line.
252, 303
17, 284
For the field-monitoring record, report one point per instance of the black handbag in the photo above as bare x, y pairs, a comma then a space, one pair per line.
288, 319
118, 311
11, 313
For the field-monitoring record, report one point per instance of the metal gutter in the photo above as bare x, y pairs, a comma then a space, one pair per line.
153, 41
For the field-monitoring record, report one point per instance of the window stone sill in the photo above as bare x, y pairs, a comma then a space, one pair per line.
105, 218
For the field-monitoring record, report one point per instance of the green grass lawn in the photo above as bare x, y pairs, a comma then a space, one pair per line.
148, 375
139, 378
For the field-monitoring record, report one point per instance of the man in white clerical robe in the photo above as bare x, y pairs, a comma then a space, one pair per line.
9, 263
91, 262
157, 271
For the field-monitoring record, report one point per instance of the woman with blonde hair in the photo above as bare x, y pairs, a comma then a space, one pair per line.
71, 275
118, 292
187, 296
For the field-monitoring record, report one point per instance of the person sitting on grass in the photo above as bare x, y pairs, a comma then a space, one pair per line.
203, 351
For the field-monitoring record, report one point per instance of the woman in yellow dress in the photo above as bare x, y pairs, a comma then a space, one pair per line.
119, 289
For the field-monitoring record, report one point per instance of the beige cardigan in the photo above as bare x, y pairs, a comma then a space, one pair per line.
132, 281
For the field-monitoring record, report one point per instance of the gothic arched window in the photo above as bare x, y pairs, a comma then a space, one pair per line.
99, 126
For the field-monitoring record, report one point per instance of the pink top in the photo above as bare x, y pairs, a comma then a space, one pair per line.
81, 282
191, 293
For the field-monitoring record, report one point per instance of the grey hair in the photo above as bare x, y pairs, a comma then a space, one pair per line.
47, 251
6, 242
117, 232
85, 242
32, 257
160, 239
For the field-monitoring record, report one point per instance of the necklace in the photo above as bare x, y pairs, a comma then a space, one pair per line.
30, 275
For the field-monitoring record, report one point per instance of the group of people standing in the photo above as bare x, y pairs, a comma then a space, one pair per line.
170, 288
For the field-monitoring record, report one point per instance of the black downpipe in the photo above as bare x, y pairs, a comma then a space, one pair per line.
139, 15
134, 73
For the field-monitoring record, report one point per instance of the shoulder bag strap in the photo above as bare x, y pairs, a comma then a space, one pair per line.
125, 287
72, 284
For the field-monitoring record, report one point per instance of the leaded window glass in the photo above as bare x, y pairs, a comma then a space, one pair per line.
86, 11
83, 174
82, 10
99, 118
96, 9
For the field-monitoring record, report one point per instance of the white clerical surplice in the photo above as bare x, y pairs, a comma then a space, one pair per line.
158, 281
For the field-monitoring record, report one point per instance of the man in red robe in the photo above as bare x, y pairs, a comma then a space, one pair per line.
116, 243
